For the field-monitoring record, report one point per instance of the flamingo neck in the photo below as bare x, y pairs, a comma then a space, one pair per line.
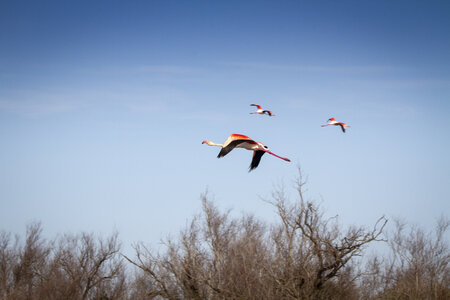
214, 144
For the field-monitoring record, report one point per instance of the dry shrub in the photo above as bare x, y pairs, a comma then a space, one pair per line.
305, 256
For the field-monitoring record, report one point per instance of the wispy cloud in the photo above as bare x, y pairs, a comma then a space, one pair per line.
312, 68
152, 107
152, 99
144, 69
35, 108
408, 83
7, 75
201, 116
36, 103
146, 100
388, 109
168, 69
358, 104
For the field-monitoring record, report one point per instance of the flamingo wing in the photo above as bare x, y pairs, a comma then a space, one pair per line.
342, 126
268, 112
231, 143
258, 106
229, 147
256, 159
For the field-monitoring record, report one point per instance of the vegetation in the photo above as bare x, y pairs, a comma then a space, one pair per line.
304, 256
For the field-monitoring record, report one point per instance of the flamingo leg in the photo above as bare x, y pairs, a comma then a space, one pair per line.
284, 158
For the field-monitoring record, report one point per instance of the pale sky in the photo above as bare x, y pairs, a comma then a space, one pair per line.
104, 105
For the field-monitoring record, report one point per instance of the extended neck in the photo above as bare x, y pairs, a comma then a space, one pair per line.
212, 144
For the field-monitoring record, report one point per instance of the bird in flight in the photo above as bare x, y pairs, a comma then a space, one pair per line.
242, 141
261, 111
332, 121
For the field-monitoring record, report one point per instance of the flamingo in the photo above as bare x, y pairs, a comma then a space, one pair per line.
261, 111
332, 121
243, 141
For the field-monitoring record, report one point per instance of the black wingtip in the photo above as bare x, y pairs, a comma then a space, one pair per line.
256, 159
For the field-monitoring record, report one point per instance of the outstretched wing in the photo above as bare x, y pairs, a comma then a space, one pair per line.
342, 127
229, 147
268, 112
258, 106
256, 159
231, 143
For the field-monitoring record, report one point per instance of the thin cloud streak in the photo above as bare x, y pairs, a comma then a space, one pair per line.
154, 107
312, 68
205, 116
37, 103
144, 69
367, 106
405, 83
169, 69
32, 108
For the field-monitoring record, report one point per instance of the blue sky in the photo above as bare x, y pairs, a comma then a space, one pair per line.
103, 107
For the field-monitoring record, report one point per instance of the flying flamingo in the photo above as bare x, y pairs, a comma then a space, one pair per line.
261, 111
332, 121
242, 141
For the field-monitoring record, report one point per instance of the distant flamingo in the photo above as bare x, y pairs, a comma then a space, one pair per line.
332, 121
261, 111
242, 141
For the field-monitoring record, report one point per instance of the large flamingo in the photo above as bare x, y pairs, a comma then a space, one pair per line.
242, 141
332, 121
261, 111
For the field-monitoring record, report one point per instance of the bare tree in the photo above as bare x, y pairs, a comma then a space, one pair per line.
312, 252
22, 267
8, 262
216, 257
89, 267
418, 265
306, 256
72, 267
